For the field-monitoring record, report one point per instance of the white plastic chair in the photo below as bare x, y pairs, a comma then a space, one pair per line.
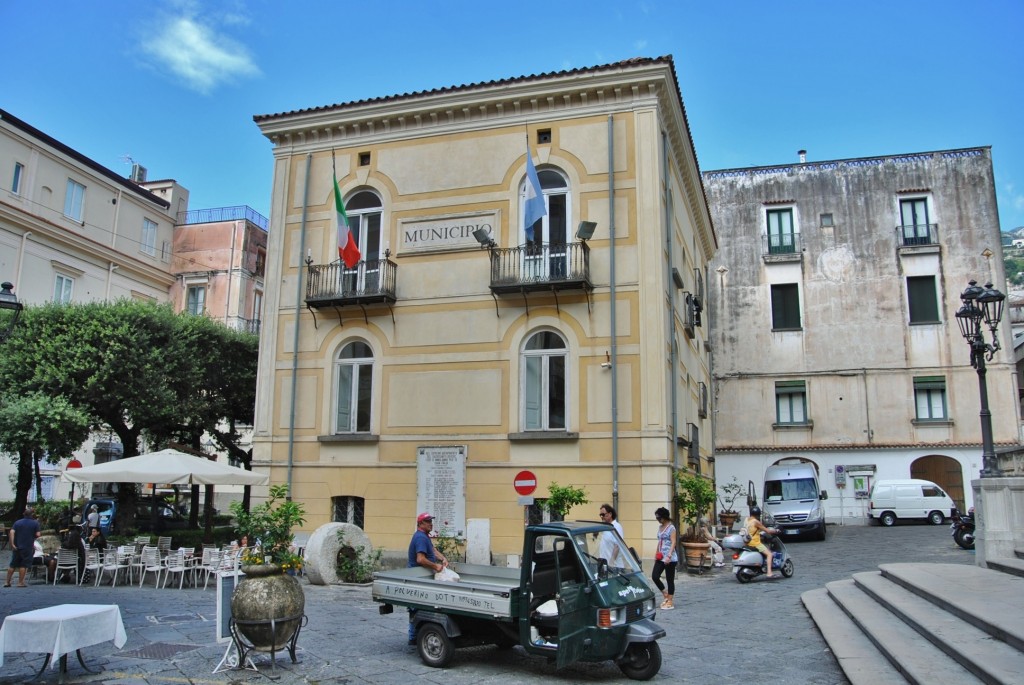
114, 561
210, 564
150, 563
67, 560
175, 563
93, 564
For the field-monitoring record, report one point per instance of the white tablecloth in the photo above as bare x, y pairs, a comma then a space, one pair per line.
62, 629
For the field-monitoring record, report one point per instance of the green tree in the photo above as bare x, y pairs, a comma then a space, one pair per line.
34, 427
136, 369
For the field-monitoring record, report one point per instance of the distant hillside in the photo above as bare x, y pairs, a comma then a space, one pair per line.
1008, 236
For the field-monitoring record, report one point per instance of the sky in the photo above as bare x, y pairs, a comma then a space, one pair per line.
174, 85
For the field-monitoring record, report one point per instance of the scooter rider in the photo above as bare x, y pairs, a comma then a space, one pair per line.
754, 529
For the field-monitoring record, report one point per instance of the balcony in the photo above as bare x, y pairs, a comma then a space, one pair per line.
915, 235
334, 285
540, 268
781, 247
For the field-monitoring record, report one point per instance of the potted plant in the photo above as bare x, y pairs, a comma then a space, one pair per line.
694, 496
728, 494
563, 498
268, 593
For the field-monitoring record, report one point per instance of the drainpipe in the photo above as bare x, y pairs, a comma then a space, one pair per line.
611, 276
231, 272
21, 260
295, 338
110, 275
674, 354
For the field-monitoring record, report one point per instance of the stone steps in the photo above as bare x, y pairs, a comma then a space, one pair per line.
923, 624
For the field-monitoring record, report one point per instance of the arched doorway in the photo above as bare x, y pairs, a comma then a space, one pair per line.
945, 472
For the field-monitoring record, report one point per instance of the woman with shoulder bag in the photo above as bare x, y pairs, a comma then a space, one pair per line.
666, 558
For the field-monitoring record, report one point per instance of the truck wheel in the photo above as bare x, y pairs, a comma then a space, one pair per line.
436, 648
887, 519
821, 532
642, 661
936, 518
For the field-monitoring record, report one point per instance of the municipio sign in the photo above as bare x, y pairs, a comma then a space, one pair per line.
525, 482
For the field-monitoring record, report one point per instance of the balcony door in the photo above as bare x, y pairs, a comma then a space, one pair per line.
546, 254
781, 235
364, 217
914, 220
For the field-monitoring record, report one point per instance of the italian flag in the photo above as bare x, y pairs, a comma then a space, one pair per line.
348, 251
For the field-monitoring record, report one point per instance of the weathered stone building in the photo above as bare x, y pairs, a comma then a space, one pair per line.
433, 372
833, 300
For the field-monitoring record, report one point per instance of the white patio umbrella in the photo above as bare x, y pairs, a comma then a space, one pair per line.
166, 466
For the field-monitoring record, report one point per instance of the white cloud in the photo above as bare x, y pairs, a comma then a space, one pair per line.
197, 54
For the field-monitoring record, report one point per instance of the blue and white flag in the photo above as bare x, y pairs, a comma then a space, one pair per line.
533, 208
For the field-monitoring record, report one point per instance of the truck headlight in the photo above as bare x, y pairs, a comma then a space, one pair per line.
815, 514
606, 618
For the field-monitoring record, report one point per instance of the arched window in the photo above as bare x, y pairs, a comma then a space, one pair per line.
354, 373
543, 405
546, 239
364, 218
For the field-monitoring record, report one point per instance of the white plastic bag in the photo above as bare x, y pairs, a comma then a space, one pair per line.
447, 575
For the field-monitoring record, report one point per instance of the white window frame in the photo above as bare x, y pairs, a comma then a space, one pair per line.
74, 201
366, 275
930, 399
19, 178
63, 288
148, 242
528, 358
189, 287
544, 263
786, 398
257, 305
794, 233
916, 230
354, 367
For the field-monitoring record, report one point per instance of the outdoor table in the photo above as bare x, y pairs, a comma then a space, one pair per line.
60, 630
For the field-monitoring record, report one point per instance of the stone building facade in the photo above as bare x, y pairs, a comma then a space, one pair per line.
833, 300
465, 347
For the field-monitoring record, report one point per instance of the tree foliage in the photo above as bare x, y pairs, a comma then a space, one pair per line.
136, 369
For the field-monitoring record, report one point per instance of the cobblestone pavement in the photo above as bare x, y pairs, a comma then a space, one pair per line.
720, 631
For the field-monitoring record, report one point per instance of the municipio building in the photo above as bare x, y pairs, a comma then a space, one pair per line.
469, 349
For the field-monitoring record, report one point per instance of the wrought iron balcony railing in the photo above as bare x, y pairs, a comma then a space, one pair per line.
917, 234
541, 267
781, 243
369, 282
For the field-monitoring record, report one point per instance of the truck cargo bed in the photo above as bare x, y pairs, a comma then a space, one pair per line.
486, 591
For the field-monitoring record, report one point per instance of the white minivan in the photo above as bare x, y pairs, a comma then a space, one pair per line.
908, 499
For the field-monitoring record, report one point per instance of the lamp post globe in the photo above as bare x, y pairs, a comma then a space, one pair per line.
982, 304
10, 309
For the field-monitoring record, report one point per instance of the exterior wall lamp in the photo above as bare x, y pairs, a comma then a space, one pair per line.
982, 305
10, 310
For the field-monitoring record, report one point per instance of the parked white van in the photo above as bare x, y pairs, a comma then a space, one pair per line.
793, 498
908, 499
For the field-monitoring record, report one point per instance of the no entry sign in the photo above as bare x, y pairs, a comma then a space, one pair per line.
525, 482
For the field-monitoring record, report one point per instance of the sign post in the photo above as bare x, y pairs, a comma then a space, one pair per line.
73, 464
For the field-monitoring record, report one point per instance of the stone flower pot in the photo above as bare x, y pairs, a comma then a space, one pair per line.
267, 593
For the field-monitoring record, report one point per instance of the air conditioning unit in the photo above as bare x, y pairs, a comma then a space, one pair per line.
138, 173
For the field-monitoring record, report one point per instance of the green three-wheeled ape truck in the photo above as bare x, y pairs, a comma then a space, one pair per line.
564, 602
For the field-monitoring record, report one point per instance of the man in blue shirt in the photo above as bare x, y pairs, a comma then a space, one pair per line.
23, 536
422, 553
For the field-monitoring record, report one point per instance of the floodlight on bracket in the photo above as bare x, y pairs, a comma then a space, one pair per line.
484, 238
585, 231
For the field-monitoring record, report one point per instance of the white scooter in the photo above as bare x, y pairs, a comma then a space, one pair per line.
748, 563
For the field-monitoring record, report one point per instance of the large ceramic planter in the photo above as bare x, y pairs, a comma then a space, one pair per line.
265, 594
696, 553
727, 519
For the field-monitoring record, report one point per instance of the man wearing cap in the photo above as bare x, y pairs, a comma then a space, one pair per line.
422, 553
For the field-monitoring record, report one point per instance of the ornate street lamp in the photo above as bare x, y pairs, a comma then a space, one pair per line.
10, 310
982, 305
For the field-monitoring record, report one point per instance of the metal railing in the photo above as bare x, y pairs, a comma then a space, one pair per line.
237, 213
781, 243
533, 265
368, 281
917, 234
